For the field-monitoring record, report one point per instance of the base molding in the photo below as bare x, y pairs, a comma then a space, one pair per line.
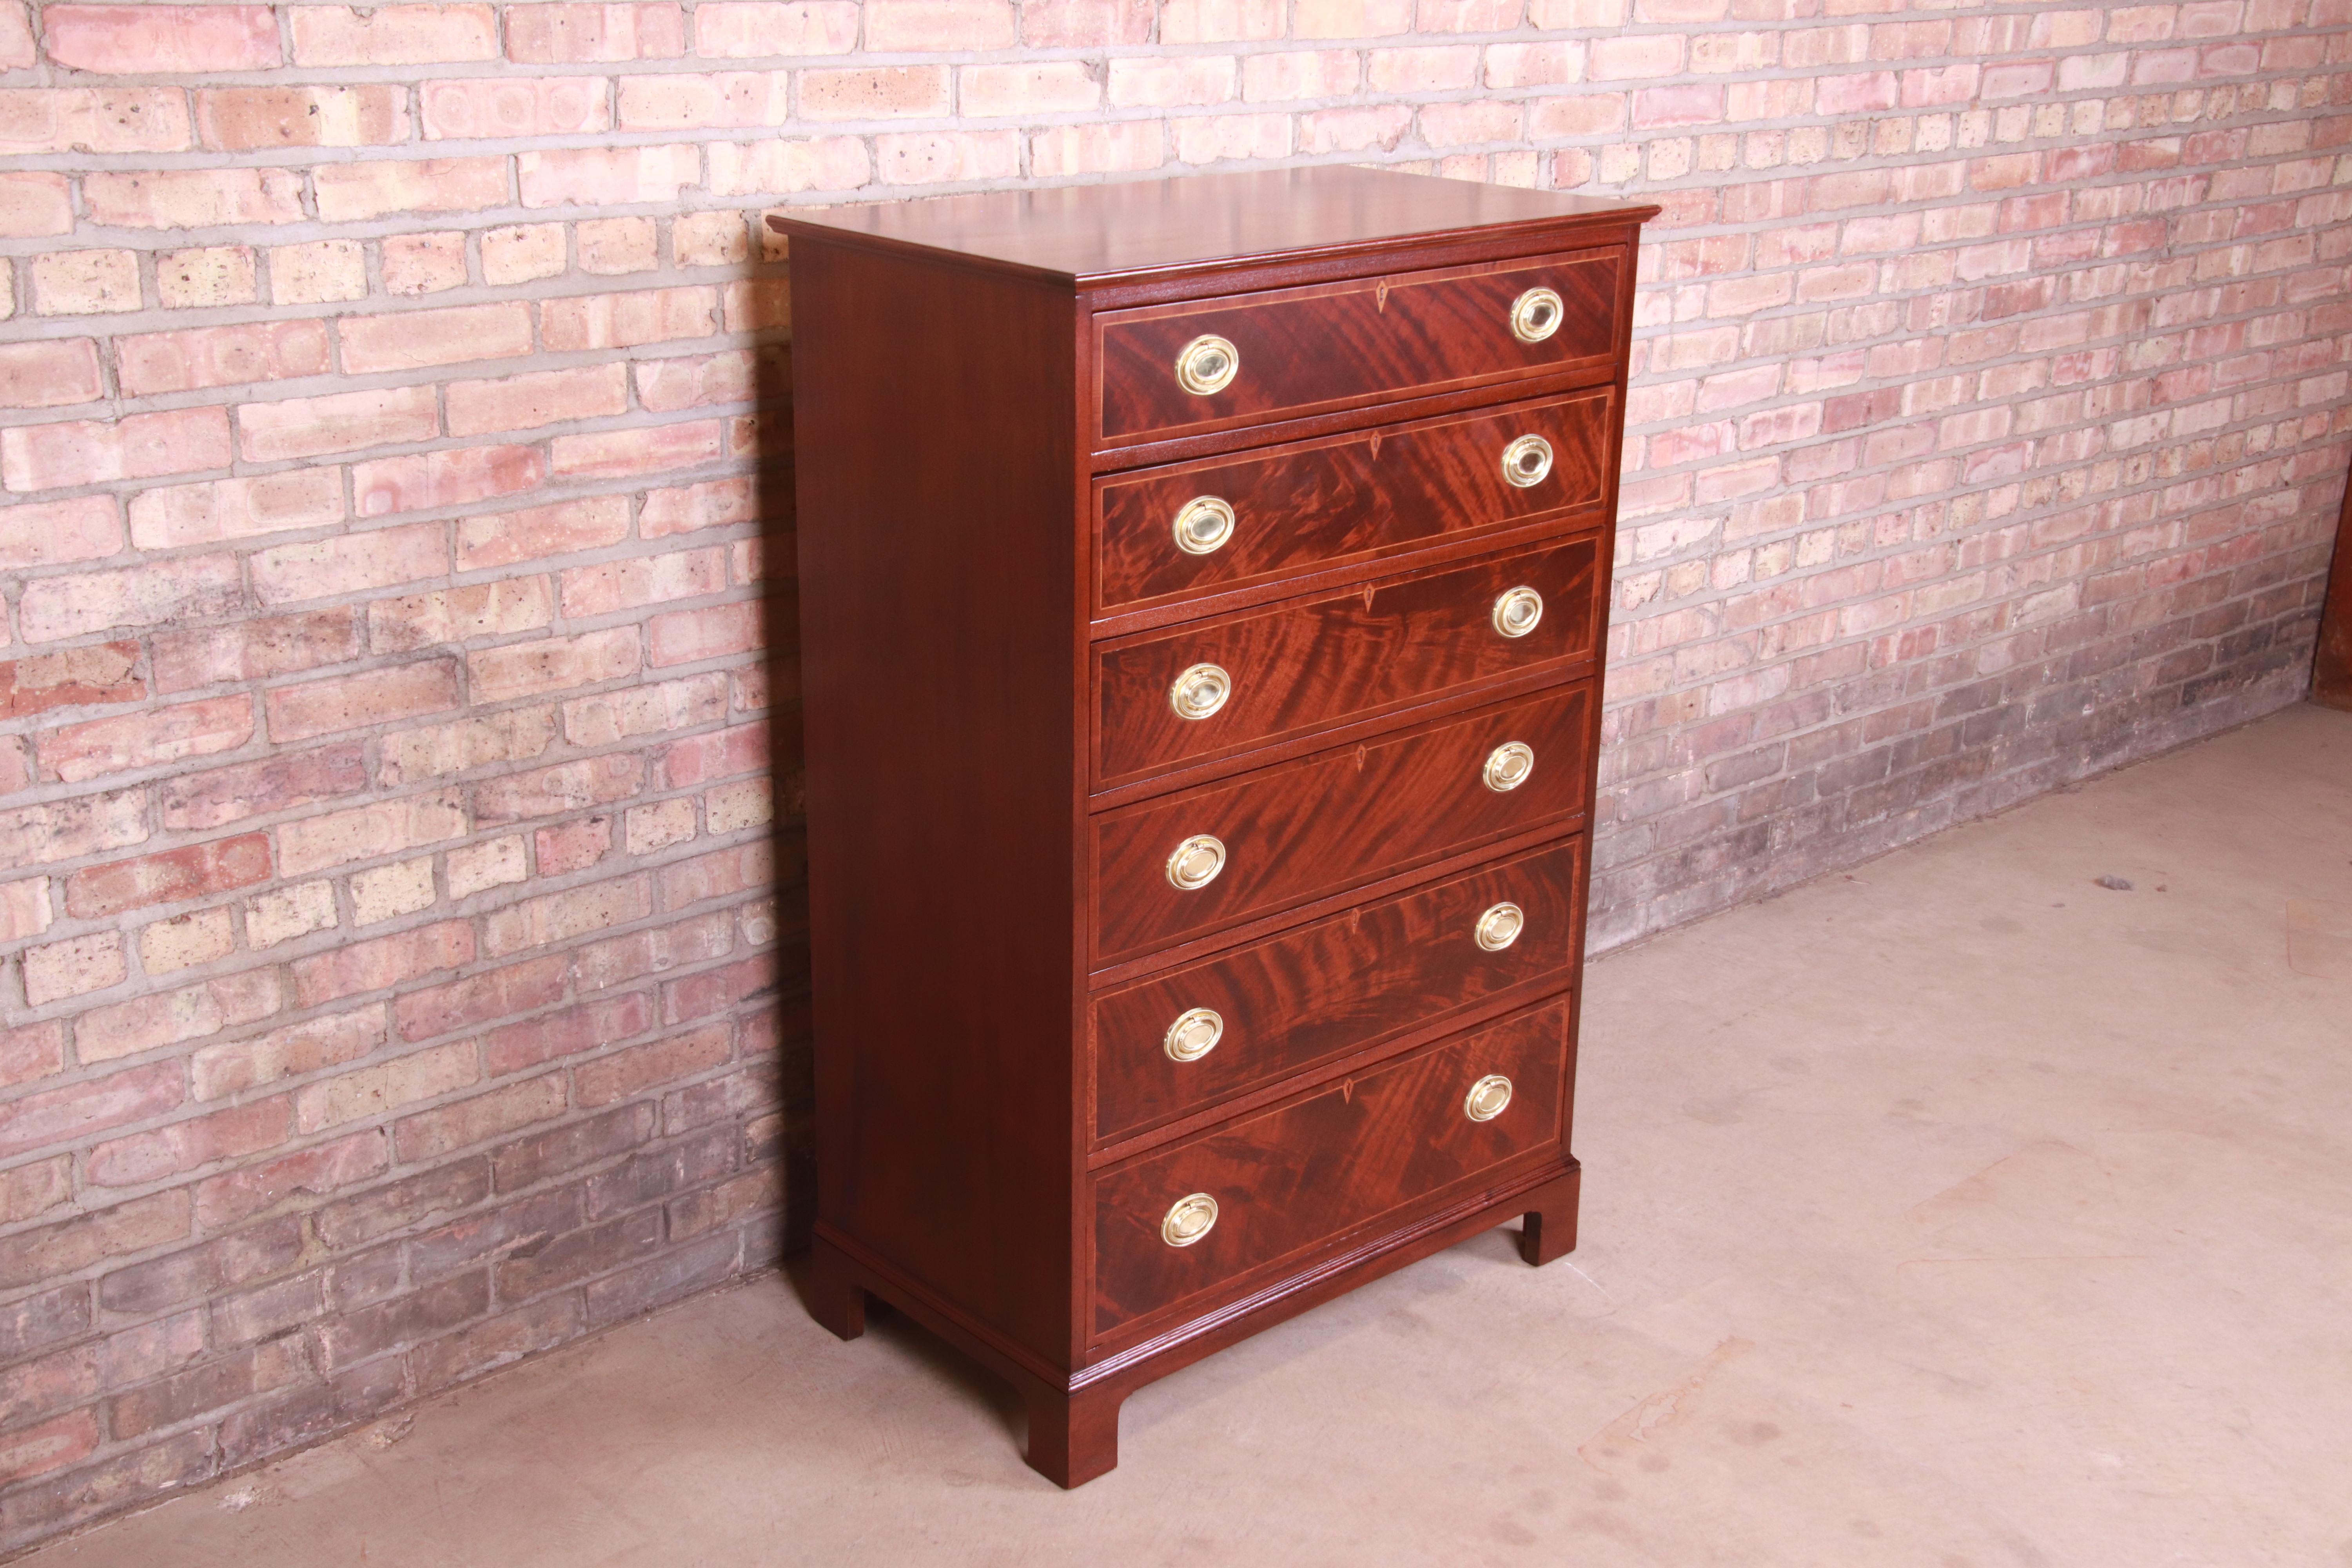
1074, 1415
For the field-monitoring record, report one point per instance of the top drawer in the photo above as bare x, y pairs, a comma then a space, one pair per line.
1209, 364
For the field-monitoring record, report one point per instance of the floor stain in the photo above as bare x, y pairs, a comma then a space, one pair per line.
1623, 1439
2319, 938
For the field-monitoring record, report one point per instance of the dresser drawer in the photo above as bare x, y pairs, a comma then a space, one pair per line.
1332, 346
1292, 669
1303, 1174
1312, 994
1169, 534
1333, 821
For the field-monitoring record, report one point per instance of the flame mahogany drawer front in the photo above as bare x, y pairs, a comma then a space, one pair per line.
1292, 669
1303, 1175
1286, 352
1237, 1022
1336, 820
1176, 533
1202, 589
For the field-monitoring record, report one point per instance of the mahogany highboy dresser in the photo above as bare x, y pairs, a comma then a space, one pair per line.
1202, 586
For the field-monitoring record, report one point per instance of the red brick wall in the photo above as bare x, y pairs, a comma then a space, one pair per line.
397, 951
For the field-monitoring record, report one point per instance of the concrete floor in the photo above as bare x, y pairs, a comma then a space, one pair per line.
1956, 1212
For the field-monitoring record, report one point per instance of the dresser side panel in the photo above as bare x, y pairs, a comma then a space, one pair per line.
935, 438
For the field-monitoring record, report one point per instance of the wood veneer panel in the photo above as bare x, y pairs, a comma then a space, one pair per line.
1311, 663
1303, 1175
938, 595
1341, 346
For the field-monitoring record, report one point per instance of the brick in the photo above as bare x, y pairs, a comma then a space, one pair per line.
492, 864
68, 829
368, 832
688, 636
683, 101
423, 263
77, 1497
613, 246
516, 735
51, 1445
193, 198
216, 510
569, 34
337, 422
402, 34
687, 508
190, 588
355, 701
24, 908
298, 1049
628, 320
86, 283
480, 998
82, 1110
32, 205
254, 649
520, 253
55, 1251
174, 1017
1085, 23
645, 710
96, 673
185, 1145
782, 165
537, 399
553, 663
484, 108
50, 374
206, 277
355, 193
28, 1192
157, 40
425, 480
90, 451
350, 564
248, 119
92, 120
624, 1074
578, 1254
879, 92
682, 1272
517, 1047
236, 1377
374, 1090
384, 961
201, 936
53, 533
459, 615
34, 1322
319, 272
281, 914
562, 917
894, 27
603, 965
195, 802
82, 752
718, 754
481, 1118
73, 967
594, 175
354, 1336
642, 580
754, 1192
410, 340
308, 1175
506, 538
572, 846
746, 29
562, 1149
152, 362
568, 786
498, 1341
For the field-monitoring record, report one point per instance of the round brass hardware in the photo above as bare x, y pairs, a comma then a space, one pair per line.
1526, 461
1200, 692
1203, 524
1196, 862
1517, 611
1191, 1217
1207, 365
1485, 1103
1193, 1034
1537, 315
1496, 929
1508, 766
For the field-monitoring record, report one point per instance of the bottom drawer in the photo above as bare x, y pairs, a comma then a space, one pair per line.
1289, 1180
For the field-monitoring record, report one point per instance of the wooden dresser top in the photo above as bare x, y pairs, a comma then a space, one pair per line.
1134, 229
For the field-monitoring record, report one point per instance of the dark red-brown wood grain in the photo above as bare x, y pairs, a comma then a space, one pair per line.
1305, 1174
1337, 346
1322, 990
1336, 820
1356, 653
1346, 499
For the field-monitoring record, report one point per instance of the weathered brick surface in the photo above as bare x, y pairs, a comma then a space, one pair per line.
397, 898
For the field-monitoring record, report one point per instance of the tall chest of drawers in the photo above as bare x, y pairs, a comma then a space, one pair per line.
1202, 592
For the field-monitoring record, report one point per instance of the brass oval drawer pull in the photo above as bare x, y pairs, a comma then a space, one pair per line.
1200, 692
1485, 1103
1527, 462
1517, 611
1498, 928
1207, 365
1537, 315
1193, 1034
1192, 1217
1203, 524
1196, 862
1508, 766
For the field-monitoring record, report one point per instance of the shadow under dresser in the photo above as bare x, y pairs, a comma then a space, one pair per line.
1203, 587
